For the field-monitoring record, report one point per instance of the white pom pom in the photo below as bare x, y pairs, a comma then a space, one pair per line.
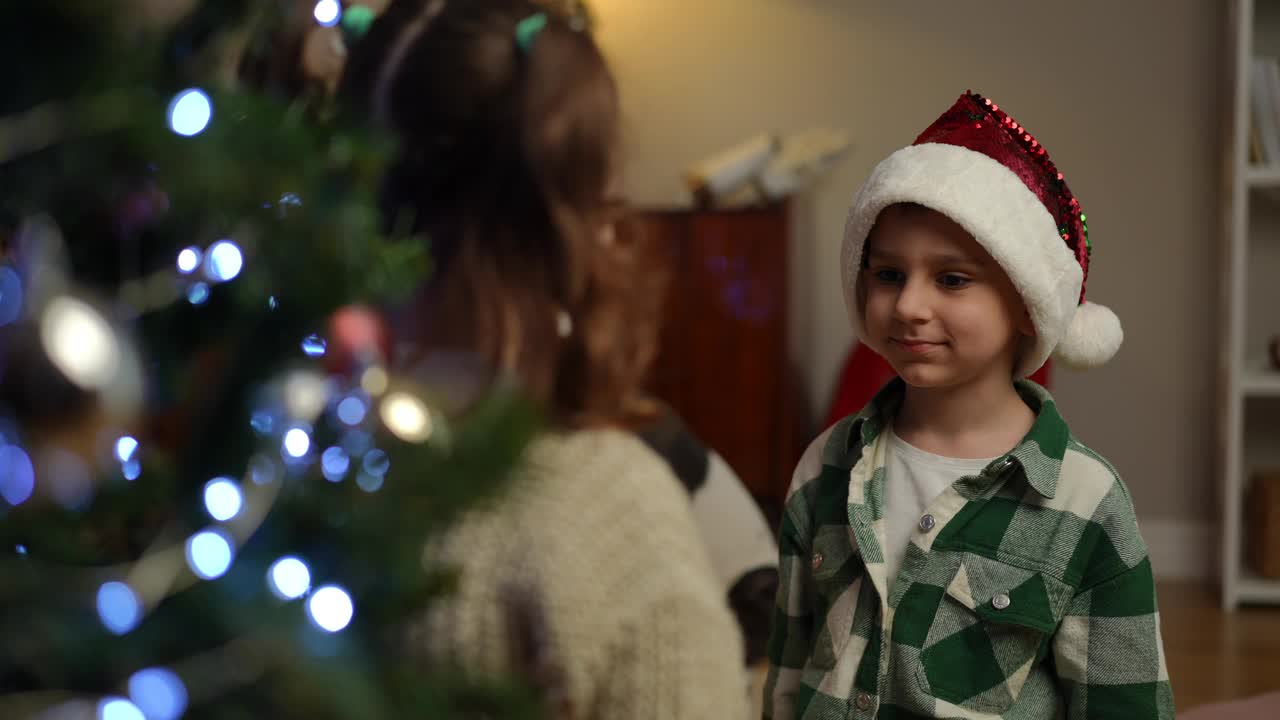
1092, 338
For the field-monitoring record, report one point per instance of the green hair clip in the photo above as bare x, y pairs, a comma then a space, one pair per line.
357, 19
527, 30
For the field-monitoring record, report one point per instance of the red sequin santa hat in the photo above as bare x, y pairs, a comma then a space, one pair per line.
980, 168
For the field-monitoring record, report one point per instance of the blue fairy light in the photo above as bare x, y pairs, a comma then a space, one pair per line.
289, 578
188, 260
222, 498
209, 553
190, 112
159, 693
224, 261
330, 608
118, 607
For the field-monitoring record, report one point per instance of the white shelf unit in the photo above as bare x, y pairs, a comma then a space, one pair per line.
1250, 301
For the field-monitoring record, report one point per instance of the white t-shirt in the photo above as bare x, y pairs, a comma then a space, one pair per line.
913, 479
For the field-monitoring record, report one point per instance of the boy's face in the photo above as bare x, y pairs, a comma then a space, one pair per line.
935, 305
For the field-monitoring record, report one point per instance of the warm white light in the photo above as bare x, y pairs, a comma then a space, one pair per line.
79, 342
374, 380
406, 416
305, 395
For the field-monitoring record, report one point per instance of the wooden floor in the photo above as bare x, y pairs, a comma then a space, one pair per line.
1215, 656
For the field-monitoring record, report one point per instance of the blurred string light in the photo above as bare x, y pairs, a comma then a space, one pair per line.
159, 693
10, 295
263, 470
296, 443
262, 422
330, 608
222, 498
131, 470
406, 416
224, 261
376, 463
356, 442
334, 463
327, 12
70, 482
305, 394
289, 578
209, 554
374, 380
116, 708
198, 294
189, 112
313, 345
79, 342
126, 449
189, 260
126, 446
17, 475
118, 607
369, 483
351, 410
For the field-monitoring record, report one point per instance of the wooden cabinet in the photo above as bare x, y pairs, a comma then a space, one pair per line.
724, 363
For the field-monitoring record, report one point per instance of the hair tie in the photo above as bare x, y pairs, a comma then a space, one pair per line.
357, 20
527, 30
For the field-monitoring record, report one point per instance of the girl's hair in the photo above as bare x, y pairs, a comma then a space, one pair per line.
508, 148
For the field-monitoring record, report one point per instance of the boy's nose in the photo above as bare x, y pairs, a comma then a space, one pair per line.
913, 305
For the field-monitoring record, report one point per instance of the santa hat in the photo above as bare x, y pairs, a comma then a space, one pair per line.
980, 168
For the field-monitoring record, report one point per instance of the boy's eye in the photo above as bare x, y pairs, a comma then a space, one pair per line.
886, 275
953, 282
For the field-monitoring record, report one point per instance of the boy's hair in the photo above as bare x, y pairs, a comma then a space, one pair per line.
507, 151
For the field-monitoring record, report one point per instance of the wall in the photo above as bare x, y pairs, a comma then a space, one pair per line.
1124, 95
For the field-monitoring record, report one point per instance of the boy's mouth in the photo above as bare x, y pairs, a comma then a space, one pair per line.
915, 346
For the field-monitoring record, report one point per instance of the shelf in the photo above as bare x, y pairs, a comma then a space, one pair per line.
1259, 382
1253, 589
1261, 176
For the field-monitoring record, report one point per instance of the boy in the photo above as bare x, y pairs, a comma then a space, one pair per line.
952, 551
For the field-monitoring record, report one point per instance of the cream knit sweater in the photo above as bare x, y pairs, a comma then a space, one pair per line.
603, 535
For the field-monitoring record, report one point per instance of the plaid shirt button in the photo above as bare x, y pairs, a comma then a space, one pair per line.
927, 522
817, 560
1000, 602
864, 701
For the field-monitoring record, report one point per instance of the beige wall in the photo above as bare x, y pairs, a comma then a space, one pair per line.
1124, 94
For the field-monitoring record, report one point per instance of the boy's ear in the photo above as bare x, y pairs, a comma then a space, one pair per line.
1025, 325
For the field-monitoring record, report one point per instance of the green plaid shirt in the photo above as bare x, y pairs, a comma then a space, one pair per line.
1026, 591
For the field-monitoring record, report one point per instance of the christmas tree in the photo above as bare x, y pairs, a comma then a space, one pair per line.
215, 488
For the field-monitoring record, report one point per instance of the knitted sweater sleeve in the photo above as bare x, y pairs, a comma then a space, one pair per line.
675, 651
671, 662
